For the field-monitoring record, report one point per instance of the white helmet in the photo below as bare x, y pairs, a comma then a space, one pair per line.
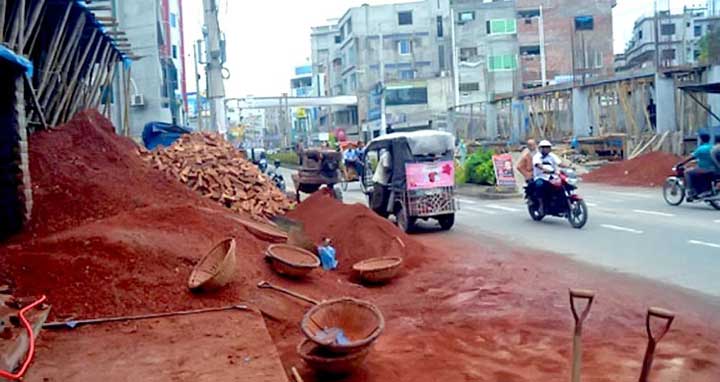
545, 143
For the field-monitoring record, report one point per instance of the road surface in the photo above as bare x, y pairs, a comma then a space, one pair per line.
629, 230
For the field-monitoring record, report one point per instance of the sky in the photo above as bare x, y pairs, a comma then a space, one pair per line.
266, 39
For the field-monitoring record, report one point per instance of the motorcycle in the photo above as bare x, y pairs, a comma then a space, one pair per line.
675, 190
263, 165
563, 201
276, 177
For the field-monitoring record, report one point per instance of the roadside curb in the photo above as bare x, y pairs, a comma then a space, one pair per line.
484, 192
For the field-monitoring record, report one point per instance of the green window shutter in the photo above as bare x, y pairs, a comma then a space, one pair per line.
497, 26
511, 26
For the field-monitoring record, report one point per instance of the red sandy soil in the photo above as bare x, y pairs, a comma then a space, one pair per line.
648, 170
112, 237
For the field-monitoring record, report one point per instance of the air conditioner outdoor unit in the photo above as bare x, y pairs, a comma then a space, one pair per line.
137, 100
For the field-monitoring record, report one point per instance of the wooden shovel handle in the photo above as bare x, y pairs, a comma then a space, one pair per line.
581, 294
658, 313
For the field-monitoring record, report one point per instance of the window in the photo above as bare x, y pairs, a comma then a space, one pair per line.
406, 96
640, 35
668, 54
501, 26
466, 16
667, 29
584, 23
467, 53
529, 13
696, 54
405, 18
440, 31
338, 39
470, 87
173, 20
348, 26
441, 57
407, 74
502, 63
598, 60
532, 50
698, 30
404, 47
174, 52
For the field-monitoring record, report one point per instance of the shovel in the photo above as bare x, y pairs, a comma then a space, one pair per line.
295, 231
579, 294
653, 339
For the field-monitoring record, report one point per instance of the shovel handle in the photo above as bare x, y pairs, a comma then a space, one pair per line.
581, 294
266, 285
662, 314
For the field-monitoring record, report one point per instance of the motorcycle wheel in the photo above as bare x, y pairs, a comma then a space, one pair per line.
578, 214
535, 213
715, 204
673, 192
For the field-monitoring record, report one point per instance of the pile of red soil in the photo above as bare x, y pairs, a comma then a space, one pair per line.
648, 170
357, 233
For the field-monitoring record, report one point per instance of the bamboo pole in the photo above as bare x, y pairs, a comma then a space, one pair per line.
52, 53
95, 77
126, 125
34, 36
32, 23
63, 68
18, 30
76, 74
3, 8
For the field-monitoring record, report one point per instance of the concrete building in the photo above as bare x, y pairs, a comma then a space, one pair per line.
154, 28
713, 7
374, 45
303, 84
677, 43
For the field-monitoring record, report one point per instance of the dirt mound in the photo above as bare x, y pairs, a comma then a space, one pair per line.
648, 170
82, 170
215, 169
357, 232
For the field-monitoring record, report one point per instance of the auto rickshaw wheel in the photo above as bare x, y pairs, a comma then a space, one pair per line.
404, 222
446, 221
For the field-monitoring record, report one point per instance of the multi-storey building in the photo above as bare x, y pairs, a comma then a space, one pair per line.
675, 38
303, 84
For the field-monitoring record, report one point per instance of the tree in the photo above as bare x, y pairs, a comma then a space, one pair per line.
710, 47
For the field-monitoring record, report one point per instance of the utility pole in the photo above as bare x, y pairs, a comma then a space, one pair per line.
543, 64
657, 38
216, 88
456, 66
383, 118
198, 98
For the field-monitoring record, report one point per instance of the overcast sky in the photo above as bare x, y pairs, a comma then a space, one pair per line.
266, 39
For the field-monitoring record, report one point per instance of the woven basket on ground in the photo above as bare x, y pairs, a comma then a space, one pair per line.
216, 269
325, 362
361, 323
378, 269
267, 232
291, 261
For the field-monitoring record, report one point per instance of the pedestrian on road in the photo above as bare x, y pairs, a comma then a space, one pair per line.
525, 165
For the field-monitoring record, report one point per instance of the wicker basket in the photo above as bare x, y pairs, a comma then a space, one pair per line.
360, 321
216, 269
291, 261
324, 362
267, 232
378, 269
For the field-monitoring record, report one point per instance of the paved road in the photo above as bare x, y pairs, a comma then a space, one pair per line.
629, 230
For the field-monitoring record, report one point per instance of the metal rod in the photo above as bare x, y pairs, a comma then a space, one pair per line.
702, 105
74, 324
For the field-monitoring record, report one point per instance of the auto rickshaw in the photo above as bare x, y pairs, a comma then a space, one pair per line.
320, 166
422, 178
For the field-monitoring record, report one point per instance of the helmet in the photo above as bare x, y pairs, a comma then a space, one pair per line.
545, 143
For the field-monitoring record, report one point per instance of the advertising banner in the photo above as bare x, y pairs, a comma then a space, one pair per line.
504, 173
422, 176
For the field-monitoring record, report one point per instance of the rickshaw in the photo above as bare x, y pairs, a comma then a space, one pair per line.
320, 166
422, 178
349, 173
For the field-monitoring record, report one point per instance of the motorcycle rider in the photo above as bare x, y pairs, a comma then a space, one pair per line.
698, 180
545, 165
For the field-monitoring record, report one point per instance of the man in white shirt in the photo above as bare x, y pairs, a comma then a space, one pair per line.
545, 165
381, 180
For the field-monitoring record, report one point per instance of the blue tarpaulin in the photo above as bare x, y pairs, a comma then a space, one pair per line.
162, 134
13, 58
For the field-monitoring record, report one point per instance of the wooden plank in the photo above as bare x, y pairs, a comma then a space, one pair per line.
643, 148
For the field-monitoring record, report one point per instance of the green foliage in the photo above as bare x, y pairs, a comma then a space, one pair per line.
285, 157
709, 46
479, 168
460, 177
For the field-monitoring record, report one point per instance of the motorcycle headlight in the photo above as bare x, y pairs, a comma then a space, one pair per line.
572, 181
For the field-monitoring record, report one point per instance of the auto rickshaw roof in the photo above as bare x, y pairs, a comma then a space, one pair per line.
423, 142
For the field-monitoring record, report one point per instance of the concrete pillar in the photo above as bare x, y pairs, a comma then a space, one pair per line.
580, 112
665, 104
517, 132
713, 99
491, 120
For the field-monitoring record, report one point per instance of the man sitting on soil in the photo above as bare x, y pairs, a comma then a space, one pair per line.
699, 179
381, 183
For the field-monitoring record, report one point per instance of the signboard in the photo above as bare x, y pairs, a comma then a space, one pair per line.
421, 176
504, 173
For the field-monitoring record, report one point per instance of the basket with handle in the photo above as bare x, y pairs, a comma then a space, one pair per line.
291, 261
328, 363
378, 269
359, 321
216, 269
